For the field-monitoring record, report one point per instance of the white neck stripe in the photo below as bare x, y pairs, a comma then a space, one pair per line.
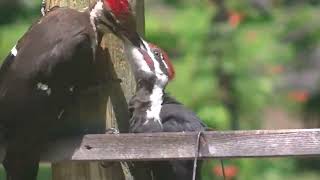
156, 104
95, 12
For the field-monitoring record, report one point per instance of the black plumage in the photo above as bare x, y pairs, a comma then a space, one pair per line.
53, 61
176, 117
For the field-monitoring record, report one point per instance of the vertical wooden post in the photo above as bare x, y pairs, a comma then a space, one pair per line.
109, 104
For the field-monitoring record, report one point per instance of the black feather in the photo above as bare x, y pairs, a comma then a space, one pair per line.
55, 54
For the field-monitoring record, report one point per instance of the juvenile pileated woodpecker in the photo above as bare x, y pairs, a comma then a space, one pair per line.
155, 111
55, 59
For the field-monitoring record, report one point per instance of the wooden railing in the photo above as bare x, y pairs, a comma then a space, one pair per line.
168, 146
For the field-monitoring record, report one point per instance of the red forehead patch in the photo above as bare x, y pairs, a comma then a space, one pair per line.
118, 7
171, 72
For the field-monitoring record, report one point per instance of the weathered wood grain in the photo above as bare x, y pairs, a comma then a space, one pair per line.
164, 146
167, 146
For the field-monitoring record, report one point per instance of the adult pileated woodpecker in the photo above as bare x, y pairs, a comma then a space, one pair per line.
155, 111
55, 59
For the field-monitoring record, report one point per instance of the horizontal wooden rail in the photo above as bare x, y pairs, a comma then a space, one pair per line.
164, 146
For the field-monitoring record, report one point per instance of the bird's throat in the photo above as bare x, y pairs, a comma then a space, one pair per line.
156, 98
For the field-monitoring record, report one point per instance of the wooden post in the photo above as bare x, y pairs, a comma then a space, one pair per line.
108, 107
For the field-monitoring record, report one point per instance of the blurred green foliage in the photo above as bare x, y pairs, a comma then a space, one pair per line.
199, 47
227, 69
249, 50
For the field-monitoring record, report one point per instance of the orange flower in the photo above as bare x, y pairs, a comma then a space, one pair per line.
235, 19
230, 171
299, 96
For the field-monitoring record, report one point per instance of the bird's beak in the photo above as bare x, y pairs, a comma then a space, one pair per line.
120, 26
109, 23
136, 40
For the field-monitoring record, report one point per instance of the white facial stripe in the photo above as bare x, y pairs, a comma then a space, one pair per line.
97, 8
95, 13
164, 62
14, 51
138, 59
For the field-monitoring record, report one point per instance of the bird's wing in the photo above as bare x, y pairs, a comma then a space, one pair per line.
177, 118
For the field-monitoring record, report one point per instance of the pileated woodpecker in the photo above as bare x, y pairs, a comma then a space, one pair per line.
155, 111
52, 62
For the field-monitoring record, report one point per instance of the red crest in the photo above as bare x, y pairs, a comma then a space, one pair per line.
118, 7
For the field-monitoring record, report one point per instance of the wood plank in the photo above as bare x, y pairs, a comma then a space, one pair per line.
164, 146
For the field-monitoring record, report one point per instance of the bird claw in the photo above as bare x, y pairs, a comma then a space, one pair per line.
112, 131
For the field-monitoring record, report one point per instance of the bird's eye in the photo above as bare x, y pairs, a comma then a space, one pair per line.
157, 54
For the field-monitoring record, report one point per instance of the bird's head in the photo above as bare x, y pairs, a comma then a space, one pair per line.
162, 65
109, 15
150, 63
116, 16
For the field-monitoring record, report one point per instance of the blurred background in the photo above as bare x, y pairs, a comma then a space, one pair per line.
240, 64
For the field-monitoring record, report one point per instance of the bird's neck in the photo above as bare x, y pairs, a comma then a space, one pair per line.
156, 99
147, 100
